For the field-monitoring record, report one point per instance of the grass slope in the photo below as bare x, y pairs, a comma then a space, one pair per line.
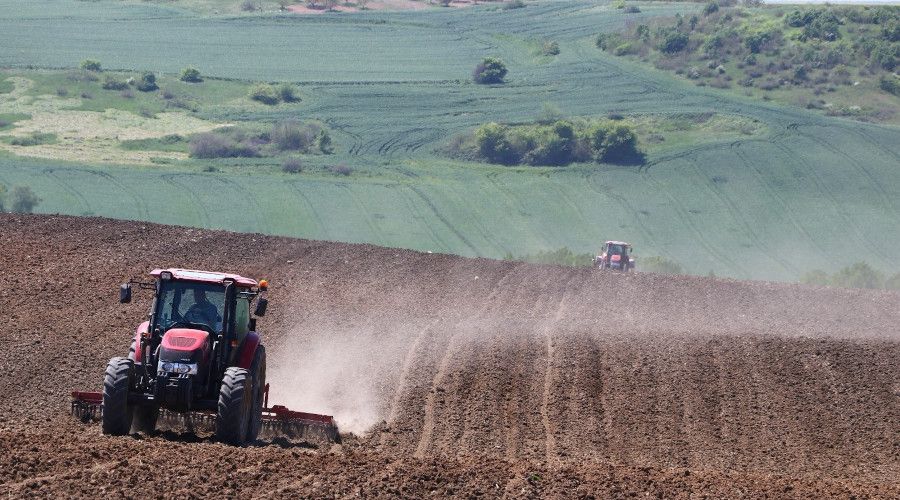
813, 192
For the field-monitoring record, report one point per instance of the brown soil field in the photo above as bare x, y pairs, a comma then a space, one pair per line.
458, 377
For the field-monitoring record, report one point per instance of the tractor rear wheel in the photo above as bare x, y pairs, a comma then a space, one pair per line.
235, 399
117, 413
258, 371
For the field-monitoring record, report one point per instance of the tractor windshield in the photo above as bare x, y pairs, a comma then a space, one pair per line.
183, 302
616, 250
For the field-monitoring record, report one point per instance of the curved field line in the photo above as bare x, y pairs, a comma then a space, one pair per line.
412, 208
377, 234
199, 208
885, 197
549, 438
821, 186
685, 216
773, 194
261, 220
69, 189
312, 208
143, 210
629, 208
737, 215
443, 219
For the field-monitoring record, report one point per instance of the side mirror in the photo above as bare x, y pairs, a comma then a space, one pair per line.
261, 306
125, 293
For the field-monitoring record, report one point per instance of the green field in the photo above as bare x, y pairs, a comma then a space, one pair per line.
810, 192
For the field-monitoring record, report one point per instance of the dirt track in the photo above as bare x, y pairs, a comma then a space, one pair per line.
461, 376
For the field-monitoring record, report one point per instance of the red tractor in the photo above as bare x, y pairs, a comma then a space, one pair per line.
198, 354
615, 255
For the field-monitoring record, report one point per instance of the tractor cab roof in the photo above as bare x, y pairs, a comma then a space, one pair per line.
618, 243
205, 277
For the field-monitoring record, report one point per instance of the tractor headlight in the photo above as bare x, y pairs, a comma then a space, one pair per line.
168, 367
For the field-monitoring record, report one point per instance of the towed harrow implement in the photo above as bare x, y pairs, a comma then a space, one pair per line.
277, 420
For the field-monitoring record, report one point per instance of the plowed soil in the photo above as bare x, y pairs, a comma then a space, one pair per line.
462, 377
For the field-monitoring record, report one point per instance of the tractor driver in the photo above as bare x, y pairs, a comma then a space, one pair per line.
203, 311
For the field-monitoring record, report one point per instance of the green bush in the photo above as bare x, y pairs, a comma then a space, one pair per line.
23, 200
264, 93
550, 48
287, 93
890, 84
493, 144
147, 83
489, 71
859, 275
711, 8
35, 139
673, 41
323, 142
191, 75
113, 83
292, 166
91, 65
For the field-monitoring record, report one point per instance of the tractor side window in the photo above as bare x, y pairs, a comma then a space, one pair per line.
241, 318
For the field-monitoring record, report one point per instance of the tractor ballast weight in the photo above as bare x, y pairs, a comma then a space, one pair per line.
199, 356
615, 255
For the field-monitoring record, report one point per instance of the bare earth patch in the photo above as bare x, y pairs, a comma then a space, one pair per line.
90, 136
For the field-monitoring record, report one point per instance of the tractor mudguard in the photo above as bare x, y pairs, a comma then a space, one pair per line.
247, 350
141, 329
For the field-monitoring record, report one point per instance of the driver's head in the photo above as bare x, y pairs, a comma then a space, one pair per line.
199, 296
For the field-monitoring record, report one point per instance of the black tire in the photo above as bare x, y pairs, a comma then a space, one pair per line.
145, 418
235, 398
117, 413
258, 371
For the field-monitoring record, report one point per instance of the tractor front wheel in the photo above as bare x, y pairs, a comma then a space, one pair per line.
117, 413
235, 399
258, 371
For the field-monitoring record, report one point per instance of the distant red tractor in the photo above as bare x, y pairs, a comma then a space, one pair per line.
615, 255
198, 353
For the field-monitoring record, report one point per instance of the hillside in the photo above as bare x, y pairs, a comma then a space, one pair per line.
461, 376
800, 192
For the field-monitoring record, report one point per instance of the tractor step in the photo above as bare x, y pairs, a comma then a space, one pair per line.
276, 421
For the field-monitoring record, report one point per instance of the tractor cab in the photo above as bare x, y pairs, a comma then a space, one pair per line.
615, 255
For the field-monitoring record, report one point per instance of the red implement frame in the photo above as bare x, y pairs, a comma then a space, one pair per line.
278, 419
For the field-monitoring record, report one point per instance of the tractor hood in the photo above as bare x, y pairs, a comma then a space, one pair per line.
185, 345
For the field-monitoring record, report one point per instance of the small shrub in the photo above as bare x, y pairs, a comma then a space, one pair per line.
87, 95
289, 136
248, 6
147, 83
493, 145
23, 200
513, 4
214, 145
674, 41
191, 75
489, 71
287, 93
113, 83
341, 170
91, 65
35, 139
710, 9
62, 92
323, 142
264, 93
890, 84
550, 48
292, 166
